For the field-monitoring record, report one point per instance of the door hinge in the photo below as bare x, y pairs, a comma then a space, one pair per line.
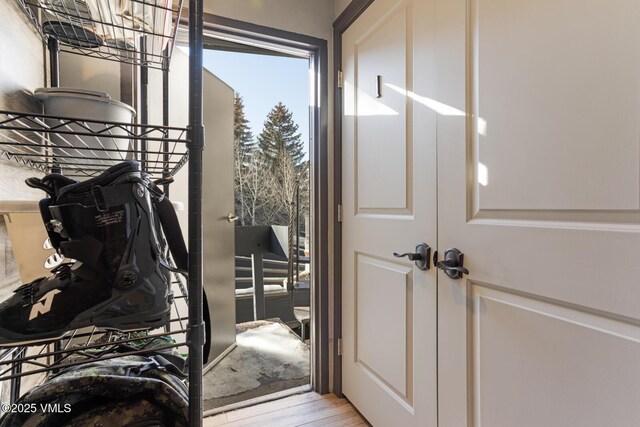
340, 79
339, 346
340, 214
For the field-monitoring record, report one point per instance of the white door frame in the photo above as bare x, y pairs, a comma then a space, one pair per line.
340, 25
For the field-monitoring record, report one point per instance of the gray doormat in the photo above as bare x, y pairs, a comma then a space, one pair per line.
269, 358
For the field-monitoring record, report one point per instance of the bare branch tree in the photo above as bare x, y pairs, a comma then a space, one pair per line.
286, 178
240, 175
259, 191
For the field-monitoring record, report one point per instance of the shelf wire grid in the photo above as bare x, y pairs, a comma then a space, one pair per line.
90, 344
82, 148
138, 32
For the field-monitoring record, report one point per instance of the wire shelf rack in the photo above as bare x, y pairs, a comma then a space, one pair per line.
139, 32
88, 345
82, 148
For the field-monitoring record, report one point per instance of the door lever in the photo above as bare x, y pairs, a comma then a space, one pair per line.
421, 256
453, 264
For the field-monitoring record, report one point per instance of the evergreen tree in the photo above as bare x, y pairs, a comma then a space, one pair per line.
241, 130
280, 132
243, 147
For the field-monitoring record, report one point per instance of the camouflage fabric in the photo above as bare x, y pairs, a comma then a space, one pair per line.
121, 413
151, 346
149, 342
142, 340
127, 391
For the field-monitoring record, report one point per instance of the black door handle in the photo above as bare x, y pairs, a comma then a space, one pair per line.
412, 256
422, 256
453, 264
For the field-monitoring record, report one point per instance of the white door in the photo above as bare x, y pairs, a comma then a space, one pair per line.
538, 185
389, 196
217, 196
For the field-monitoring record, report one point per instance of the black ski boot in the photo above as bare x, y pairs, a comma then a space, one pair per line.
106, 224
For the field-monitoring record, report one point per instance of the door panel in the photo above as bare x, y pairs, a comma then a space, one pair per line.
538, 185
557, 109
382, 142
217, 195
566, 365
389, 305
384, 287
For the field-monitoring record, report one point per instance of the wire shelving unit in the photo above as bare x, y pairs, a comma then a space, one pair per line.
77, 347
141, 33
84, 148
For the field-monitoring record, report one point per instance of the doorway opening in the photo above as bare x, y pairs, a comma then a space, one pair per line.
277, 131
271, 179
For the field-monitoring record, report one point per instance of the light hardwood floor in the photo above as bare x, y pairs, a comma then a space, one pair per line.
308, 409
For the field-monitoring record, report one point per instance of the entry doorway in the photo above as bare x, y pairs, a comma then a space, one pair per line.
276, 164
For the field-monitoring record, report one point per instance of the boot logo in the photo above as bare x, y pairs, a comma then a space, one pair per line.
43, 306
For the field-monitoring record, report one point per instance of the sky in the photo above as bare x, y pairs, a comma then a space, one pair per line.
263, 81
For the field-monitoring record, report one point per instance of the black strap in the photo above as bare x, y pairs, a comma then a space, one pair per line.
173, 363
173, 232
113, 195
175, 240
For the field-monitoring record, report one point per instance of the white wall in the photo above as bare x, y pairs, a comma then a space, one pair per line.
22, 70
21, 58
310, 17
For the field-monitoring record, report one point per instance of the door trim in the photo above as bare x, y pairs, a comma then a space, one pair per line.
340, 25
318, 50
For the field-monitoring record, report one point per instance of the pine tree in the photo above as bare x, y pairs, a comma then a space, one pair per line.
280, 132
243, 147
241, 130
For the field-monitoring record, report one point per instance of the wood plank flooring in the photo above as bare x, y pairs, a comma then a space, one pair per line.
308, 409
